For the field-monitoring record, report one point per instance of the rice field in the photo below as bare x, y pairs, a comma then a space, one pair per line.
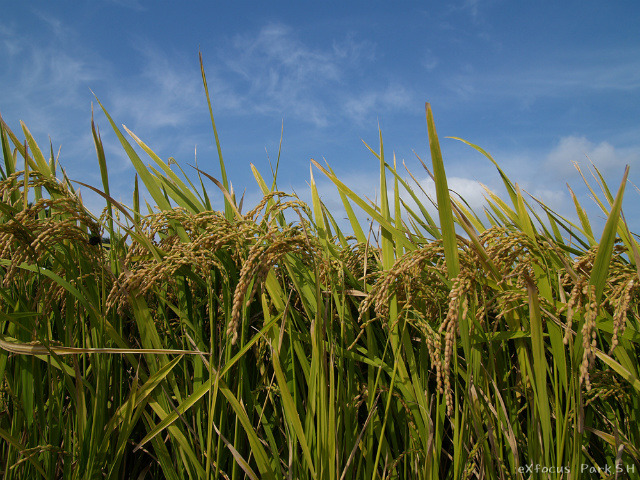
204, 342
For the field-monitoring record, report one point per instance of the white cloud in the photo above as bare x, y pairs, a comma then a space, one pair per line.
354, 51
282, 53
430, 60
604, 156
55, 24
471, 6
554, 199
10, 41
470, 190
468, 7
464, 83
362, 106
132, 4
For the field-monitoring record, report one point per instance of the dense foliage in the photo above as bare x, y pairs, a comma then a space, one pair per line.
205, 344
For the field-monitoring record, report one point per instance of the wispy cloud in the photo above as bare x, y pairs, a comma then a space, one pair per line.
53, 23
430, 60
470, 6
282, 53
163, 93
277, 73
10, 43
364, 105
48, 79
467, 7
282, 75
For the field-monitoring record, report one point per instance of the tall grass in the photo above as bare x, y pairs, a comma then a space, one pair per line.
199, 343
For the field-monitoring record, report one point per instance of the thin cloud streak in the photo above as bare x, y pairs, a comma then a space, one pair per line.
130, 4
47, 80
163, 93
607, 71
278, 74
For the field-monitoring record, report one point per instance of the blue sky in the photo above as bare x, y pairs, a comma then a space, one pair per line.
537, 84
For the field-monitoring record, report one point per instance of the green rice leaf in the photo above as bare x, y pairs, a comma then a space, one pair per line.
42, 165
9, 159
601, 263
445, 212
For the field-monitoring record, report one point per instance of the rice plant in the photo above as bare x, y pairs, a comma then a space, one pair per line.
211, 343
